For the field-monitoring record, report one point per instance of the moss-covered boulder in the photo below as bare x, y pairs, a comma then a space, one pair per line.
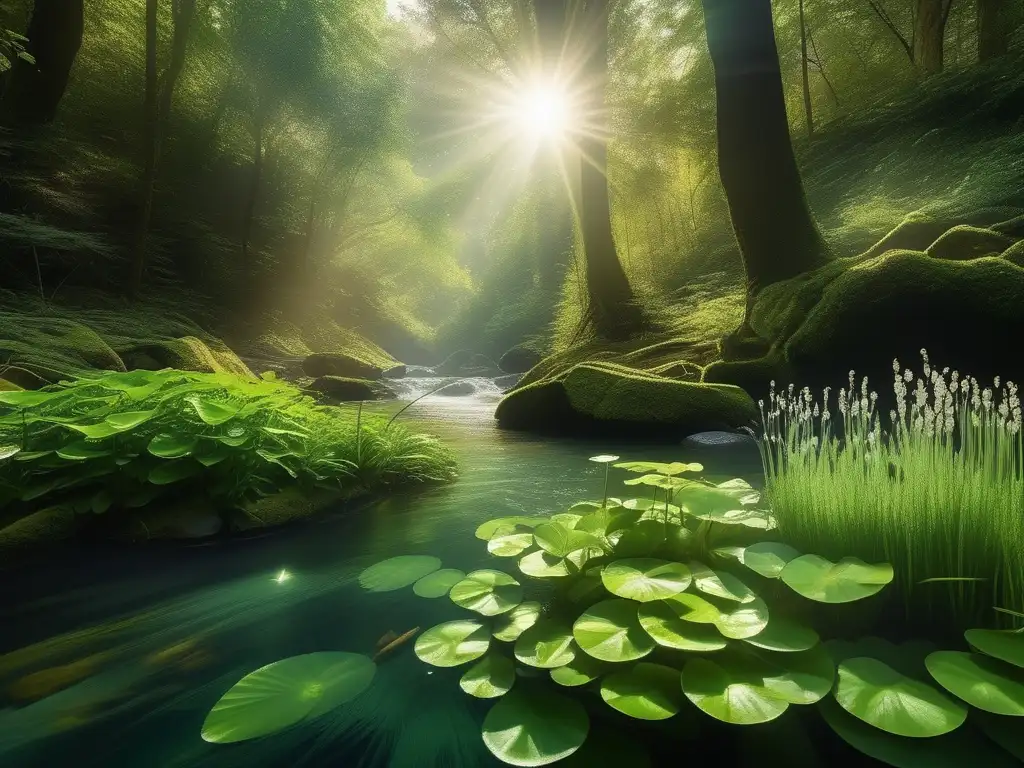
185, 354
46, 349
8, 386
342, 389
466, 363
288, 506
180, 519
919, 230
963, 242
599, 395
44, 527
519, 359
1011, 227
339, 364
1015, 253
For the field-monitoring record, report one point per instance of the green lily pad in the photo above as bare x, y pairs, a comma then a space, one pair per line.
580, 671
83, 450
644, 691
730, 692
172, 471
541, 565
1003, 644
129, 419
893, 702
212, 412
545, 645
640, 540
645, 579
673, 468
981, 681
821, 580
397, 572
438, 583
740, 490
1004, 731
693, 608
784, 636
611, 631
800, 677
487, 592
568, 519
720, 584
768, 558
510, 545
453, 643
509, 626
486, 531
172, 446
558, 540
286, 692
743, 620
608, 520
490, 677
532, 727
666, 622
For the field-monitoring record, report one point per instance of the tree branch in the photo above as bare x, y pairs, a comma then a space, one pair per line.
881, 13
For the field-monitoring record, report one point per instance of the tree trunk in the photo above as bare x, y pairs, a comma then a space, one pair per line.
254, 192
151, 136
54, 38
552, 29
777, 235
993, 29
808, 110
930, 29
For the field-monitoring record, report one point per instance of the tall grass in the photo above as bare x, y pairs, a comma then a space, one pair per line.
939, 493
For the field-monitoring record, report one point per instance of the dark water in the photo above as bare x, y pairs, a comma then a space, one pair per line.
131, 648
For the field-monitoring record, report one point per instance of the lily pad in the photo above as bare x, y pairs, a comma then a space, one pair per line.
453, 643
568, 519
1003, 644
487, 531
665, 621
720, 584
509, 626
784, 636
530, 728
893, 702
487, 592
611, 631
397, 572
740, 490
286, 692
541, 565
730, 692
768, 558
981, 681
580, 671
510, 545
172, 446
645, 579
801, 677
558, 540
743, 620
490, 677
821, 580
673, 468
641, 539
546, 645
644, 691
438, 583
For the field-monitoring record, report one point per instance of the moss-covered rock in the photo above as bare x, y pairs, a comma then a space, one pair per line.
963, 242
46, 526
181, 519
185, 354
1015, 253
288, 506
465, 363
52, 348
8, 386
593, 394
1011, 227
339, 364
519, 359
754, 376
343, 389
918, 230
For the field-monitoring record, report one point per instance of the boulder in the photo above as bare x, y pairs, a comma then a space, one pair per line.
962, 243
47, 526
519, 359
599, 395
918, 230
1011, 227
723, 451
506, 383
396, 372
9, 386
452, 364
343, 389
180, 519
339, 364
45, 350
1015, 253
185, 354
289, 505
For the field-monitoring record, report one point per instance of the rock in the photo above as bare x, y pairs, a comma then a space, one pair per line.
723, 451
754, 376
286, 506
397, 372
452, 364
519, 359
339, 364
456, 389
917, 231
44, 350
9, 386
465, 363
744, 344
186, 518
961, 243
342, 389
20, 378
1015, 253
185, 354
506, 383
47, 526
605, 395
681, 371
1011, 228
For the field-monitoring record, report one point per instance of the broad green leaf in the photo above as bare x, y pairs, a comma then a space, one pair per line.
172, 446
167, 472
24, 398
129, 419
983, 682
608, 520
740, 621
509, 626
821, 580
720, 584
541, 565
611, 631
730, 691
546, 645
664, 620
486, 531
580, 671
534, 727
286, 692
84, 450
101, 501
784, 636
510, 545
674, 468
95, 431
740, 490
802, 677
490, 677
660, 481
1003, 644
212, 412
705, 501
893, 702
644, 691
645, 579
487, 592
639, 505
438, 583
559, 541
641, 540
276, 431
7, 451
568, 519
1004, 731
453, 643
768, 558
397, 572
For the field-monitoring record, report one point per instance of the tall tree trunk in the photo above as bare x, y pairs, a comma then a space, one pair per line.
777, 235
54, 38
808, 109
929, 32
254, 191
993, 29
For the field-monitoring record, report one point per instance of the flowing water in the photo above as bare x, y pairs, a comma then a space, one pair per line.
114, 658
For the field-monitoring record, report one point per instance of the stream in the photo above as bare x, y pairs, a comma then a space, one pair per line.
114, 657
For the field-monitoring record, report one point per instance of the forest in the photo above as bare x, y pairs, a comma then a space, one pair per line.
321, 309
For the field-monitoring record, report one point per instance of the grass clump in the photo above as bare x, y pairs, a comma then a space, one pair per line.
113, 442
940, 493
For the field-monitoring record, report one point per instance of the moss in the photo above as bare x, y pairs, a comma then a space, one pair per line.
288, 506
47, 526
964, 242
8, 386
184, 354
1011, 227
1015, 253
339, 364
343, 389
53, 348
754, 376
781, 307
918, 230
321, 335
192, 518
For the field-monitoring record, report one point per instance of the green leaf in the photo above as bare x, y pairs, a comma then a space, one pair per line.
784, 636
740, 490
453, 643
983, 682
720, 584
7, 451
731, 691
644, 691
767, 558
490, 677
286, 692
487, 531
172, 446
645, 579
397, 572
129, 419
487, 592
95, 431
509, 626
546, 645
101, 501
660, 481
560, 541
212, 412
821, 580
84, 450
641, 540
510, 545
531, 728
568, 519
611, 631
743, 620
438, 583
1003, 644
802, 677
666, 622
893, 702
167, 472
541, 565
674, 468
580, 671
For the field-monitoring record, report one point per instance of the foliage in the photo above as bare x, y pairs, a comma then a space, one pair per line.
118, 441
940, 493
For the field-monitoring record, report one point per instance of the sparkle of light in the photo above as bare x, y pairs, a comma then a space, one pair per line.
282, 577
543, 111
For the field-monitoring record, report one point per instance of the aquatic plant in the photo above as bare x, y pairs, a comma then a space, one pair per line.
117, 441
939, 493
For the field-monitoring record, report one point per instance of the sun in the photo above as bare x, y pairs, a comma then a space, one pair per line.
544, 112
